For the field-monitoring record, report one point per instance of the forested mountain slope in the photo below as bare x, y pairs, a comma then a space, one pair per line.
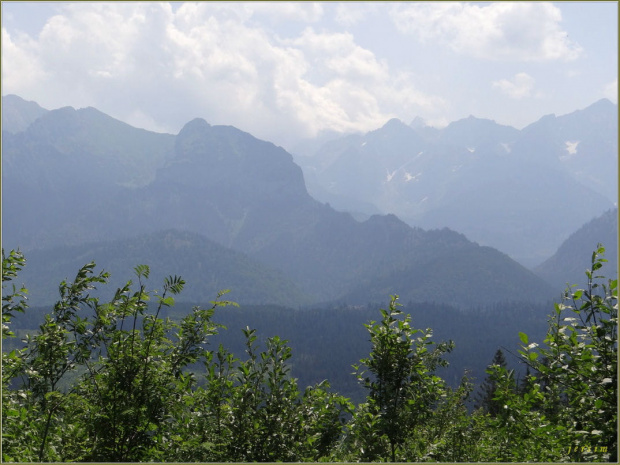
573, 256
79, 176
206, 267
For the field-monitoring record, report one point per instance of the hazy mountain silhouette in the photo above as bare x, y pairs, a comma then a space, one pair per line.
18, 114
510, 189
64, 165
79, 176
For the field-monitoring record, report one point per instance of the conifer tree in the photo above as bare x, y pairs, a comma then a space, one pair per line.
484, 398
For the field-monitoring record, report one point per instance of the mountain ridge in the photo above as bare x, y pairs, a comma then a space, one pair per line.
240, 192
455, 177
567, 265
18, 114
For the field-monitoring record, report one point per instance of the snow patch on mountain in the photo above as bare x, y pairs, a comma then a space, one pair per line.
571, 149
410, 177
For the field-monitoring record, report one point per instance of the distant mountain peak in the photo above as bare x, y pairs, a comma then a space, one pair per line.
388, 218
418, 122
394, 123
599, 109
472, 132
197, 124
602, 103
392, 127
471, 119
12, 98
18, 114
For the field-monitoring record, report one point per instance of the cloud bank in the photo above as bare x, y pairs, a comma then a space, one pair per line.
216, 61
284, 70
521, 86
522, 31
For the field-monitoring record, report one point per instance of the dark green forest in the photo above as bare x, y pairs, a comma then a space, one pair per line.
140, 377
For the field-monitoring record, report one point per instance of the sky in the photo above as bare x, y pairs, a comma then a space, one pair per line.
289, 71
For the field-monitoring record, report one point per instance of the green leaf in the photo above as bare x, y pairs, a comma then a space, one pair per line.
142, 270
523, 337
174, 284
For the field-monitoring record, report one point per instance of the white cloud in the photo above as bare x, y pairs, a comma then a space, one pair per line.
365, 92
524, 31
337, 55
521, 86
20, 67
272, 12
438, 123
611, 91
307, 12
351, 13
207, 60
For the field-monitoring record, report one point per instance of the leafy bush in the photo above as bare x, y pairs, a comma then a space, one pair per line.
117, 381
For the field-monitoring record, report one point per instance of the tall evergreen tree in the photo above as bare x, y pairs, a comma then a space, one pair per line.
484, 398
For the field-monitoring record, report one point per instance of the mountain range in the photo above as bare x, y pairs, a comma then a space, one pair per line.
515, 190
227, 210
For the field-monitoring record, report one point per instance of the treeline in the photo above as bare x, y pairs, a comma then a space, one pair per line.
128, 379
315, 334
